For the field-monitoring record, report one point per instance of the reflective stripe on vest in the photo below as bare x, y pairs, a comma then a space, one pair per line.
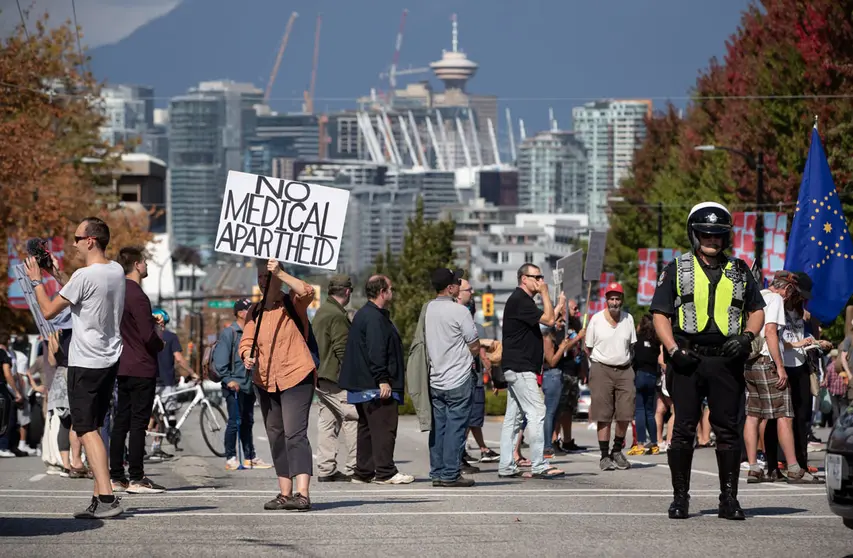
693, 290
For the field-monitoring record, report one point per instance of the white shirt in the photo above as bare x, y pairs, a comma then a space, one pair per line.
774, 315
96, 294
794, 330
611, 345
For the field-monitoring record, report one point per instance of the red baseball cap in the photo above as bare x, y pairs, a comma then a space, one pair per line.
614, 288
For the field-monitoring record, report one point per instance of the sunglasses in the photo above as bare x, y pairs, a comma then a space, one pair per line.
79, 238
537, 277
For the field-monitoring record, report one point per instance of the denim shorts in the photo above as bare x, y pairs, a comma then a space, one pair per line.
478, 408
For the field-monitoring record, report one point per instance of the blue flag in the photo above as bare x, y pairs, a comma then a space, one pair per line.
820, 243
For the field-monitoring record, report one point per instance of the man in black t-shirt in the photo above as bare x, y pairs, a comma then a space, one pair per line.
523, 354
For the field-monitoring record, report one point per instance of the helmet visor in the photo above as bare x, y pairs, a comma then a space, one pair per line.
717, 229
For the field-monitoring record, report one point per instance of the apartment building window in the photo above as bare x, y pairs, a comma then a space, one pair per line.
504, 257
528, 256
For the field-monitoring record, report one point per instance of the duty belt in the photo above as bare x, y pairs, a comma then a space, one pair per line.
701, 350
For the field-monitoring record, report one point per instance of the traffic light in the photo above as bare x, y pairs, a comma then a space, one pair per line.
488, 305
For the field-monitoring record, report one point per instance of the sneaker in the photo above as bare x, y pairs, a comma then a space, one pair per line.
120, 485
64, 473
256, 463
606, 464
653, 450
460, 482
297, 502
89, 512
277, 503
106, 511
399, 478
637, 450
24, 448
571, 446
620, 460
232, 464
145, 486
744, 465
54, 470
469, 469
359, 480
814, 439
337, 476
466, 457
548, 454
663, 447
489, 456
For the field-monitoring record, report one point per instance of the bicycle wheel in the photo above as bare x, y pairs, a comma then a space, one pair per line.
213, 423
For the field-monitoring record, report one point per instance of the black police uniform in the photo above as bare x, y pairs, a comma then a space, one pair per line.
711, 375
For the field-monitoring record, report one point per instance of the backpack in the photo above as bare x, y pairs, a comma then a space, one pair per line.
208, 370
310, 340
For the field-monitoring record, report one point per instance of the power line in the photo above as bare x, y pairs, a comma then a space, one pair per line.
774, 97
23, 21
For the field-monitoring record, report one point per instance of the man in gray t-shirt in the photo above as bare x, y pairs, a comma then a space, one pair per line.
95, 295
451, 343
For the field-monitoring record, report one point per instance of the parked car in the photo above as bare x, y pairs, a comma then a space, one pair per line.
839, 468
583, 401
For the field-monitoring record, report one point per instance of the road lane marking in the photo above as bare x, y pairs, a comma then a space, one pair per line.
36, 478
436, 490
320, 513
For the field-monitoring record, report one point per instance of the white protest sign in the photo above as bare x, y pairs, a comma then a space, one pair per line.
595, 255
289, 221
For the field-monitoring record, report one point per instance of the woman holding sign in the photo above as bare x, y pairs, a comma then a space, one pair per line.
274, 347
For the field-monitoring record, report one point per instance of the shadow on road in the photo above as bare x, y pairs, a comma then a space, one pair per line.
42, 526
326, 506
155, 511
761, 511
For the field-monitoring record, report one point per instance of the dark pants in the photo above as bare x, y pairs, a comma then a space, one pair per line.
801, 398
552, 388
377, 436
839, 404
241, 407
7, 440
644, 417
721, 381
132, 413
451, 410
286, 420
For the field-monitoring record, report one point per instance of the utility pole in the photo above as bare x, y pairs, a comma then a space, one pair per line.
759, 202
660, 238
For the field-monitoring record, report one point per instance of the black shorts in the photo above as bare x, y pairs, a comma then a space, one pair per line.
478, 408
90, 392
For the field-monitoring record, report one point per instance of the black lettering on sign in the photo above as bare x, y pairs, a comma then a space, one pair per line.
276, 191
269, 215
294, 227
254, 207
294, 189
234, 213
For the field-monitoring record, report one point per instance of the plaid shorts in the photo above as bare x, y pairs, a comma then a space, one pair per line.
569, 395
763, 399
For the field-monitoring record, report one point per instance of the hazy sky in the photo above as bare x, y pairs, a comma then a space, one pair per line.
533, 55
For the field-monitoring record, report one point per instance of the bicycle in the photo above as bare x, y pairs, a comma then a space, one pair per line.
213, 419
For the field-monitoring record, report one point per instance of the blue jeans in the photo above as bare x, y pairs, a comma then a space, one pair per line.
524, 401
241, 408
644, 416
450, 411
552, 388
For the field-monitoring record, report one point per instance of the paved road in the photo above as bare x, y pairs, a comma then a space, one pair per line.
211, 512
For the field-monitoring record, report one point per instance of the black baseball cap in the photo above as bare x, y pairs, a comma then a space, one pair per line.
242, 304
799, 280
443, 278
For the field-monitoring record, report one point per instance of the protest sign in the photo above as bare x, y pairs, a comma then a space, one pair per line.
15, 295
571, 272
25, 288
595, 255
289, 221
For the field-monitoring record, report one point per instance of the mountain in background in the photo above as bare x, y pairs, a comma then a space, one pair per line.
533, 56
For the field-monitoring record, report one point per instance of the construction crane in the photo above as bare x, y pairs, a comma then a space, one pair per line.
398, 44
407, 72
309, 95
278, 58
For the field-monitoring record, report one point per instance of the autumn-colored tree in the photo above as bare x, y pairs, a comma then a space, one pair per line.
52, 157
788, 62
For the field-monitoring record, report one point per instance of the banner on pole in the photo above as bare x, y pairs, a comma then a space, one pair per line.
743, 239
647, 274
290, 221
595, 255
599, 303
571, 273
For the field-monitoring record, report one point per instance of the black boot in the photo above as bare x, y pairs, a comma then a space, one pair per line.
728, 463
680, 461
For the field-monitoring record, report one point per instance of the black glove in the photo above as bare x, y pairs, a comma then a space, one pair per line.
684, 361
738, 345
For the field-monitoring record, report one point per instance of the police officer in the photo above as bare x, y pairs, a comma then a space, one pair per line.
707, 310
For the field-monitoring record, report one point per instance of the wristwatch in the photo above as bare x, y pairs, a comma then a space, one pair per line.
34, 283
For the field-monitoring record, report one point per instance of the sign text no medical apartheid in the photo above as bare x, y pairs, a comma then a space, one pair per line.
289, 221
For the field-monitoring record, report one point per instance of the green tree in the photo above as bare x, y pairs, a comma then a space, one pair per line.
427, 245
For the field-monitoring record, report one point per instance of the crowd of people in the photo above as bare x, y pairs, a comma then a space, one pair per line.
742, 382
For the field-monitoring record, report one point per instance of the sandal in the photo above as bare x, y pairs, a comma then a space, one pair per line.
513, 475
523, 462
549, 473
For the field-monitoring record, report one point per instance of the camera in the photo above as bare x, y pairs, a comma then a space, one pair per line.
37, 248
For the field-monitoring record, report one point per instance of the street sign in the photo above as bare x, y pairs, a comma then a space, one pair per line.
220, 304
488, 305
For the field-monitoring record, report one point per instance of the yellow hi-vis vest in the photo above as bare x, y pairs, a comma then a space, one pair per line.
693, 297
